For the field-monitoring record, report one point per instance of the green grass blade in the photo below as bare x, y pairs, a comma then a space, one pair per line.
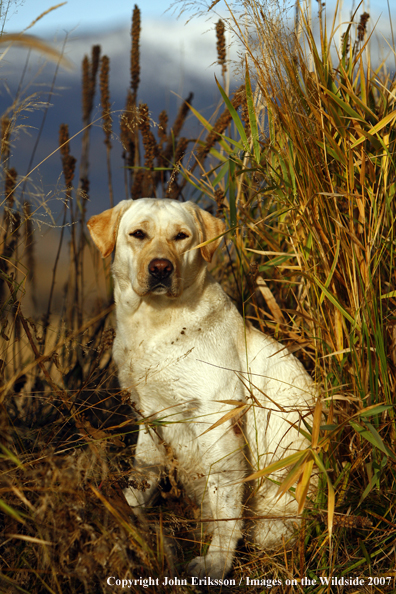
10, 511
252, 118
236, 119
387, 120
334, 301
331, 494
370, 434
288, 461
232, 193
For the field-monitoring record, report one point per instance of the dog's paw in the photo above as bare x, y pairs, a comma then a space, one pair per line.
214, 565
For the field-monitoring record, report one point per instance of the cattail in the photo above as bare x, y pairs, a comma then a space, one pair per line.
68, 162
128, 124
105, 99
95, 60
129, 139
244, 110
136, 191
106, 117
150, 147
180, 151
173, 189
352, 522
220, 198
86, 88
163, 122
124, 132
362, 26
221, 46
135, 54
149, 143
124, 124
89, 72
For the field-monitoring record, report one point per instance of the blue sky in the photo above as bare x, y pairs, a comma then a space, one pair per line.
88, 14
83, 13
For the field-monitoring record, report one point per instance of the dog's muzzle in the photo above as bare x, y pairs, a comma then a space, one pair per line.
160, 270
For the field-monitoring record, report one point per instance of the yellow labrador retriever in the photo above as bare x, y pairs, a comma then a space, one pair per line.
186, 356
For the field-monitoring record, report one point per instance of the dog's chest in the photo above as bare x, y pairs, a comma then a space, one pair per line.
181, 366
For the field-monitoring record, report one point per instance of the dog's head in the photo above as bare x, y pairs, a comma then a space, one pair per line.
154, 241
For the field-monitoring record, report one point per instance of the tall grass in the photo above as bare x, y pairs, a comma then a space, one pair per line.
310, 183
301, 164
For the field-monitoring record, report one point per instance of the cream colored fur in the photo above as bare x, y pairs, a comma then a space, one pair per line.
183, 348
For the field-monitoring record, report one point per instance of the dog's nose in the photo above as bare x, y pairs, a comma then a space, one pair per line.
160, 268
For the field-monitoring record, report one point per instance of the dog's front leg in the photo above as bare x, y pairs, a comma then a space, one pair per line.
149, 461
223, 494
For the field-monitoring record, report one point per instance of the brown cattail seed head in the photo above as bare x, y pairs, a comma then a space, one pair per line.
128, 125
105, 99
244, 109
95, 57
86, 88
180, 149
89, 72
135, 55
163, 122
221, 46
125, 121
362, 26
173, 189
136, 190
219, 197
149, 143
68, 162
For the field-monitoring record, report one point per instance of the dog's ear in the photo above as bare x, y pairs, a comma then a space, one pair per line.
209, 227
104, 227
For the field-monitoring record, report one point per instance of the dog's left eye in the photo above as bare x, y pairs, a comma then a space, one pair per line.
181, 235
139, 234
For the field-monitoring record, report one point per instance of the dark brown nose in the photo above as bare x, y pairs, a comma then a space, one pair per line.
160, 268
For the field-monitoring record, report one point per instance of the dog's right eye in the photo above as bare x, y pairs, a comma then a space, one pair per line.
139, 234
181, 235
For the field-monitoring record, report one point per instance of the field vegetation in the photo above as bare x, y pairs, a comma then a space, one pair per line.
300, 161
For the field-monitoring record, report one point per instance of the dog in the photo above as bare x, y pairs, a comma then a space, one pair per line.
228, 400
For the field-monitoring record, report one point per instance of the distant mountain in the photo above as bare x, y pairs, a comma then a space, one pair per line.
174, 61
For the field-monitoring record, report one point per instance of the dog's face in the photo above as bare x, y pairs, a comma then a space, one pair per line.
154, 242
